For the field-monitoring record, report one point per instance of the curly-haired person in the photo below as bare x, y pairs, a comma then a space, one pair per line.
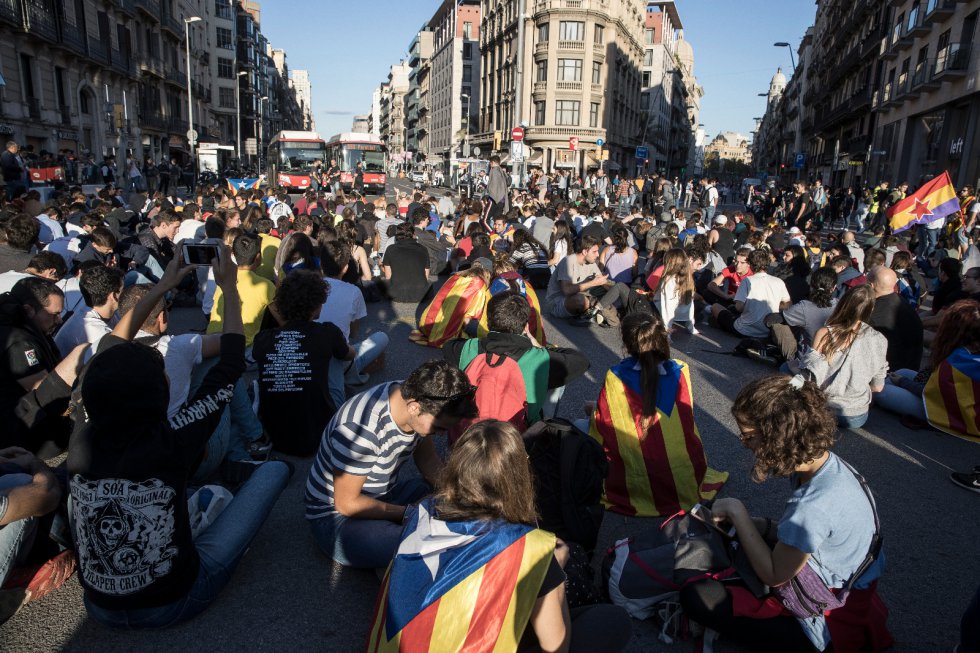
828, 524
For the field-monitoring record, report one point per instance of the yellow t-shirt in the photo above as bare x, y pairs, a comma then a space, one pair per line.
256, 293
270, 247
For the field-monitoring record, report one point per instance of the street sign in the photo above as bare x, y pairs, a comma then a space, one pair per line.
192, 135
517, 134
800, 161
516, 151
251, 146
573, 143
600, 142
642, 153
476, 150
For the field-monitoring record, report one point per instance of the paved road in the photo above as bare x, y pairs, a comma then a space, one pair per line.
286, 596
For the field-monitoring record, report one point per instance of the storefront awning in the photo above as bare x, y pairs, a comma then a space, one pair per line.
611, 165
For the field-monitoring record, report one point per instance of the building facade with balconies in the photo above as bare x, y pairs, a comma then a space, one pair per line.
454, 94
419, 53
304, 96
581, 80
928, 101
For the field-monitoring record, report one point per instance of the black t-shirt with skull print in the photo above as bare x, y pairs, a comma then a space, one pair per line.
129, 495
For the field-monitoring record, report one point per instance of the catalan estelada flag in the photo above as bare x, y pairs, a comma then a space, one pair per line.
459, 586
659, 470
934, 200
235, 185
952, 395
461, 297
514, 282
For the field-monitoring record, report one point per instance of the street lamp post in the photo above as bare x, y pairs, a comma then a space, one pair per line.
238, 116
191, 134
261, 129
798, 143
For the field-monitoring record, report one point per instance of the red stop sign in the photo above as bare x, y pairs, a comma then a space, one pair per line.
517, 134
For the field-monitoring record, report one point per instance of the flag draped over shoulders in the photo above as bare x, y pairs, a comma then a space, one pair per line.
952, 395
459, 586
460, 299
932, 201
660, 469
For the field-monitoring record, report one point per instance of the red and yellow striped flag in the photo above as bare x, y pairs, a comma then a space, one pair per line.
461, 297
952, 395
663, 469
459, 586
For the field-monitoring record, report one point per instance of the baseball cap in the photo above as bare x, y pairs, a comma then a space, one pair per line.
795, 230
721, 219
484, 263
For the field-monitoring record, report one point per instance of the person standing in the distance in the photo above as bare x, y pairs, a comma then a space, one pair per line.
15, 176
498, 189
332, 176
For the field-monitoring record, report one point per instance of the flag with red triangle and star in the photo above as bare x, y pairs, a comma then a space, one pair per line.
934, 200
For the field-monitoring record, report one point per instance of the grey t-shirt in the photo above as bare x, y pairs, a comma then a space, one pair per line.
569, 269
808, 315
848, 376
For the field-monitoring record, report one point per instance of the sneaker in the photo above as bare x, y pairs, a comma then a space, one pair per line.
610, 316
583, 320
260, 448
693, 330
967, 480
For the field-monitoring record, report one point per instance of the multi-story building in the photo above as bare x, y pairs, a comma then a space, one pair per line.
731, 146
285, 111
225, 75
454, 78
392, 112
304, 96
670, 100
361, 124
375, 115
419, 53
578, 81
926, 100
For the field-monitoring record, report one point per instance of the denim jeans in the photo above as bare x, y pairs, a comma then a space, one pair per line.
928, 239
899, 400
709, 214
366, 543
238, 426
16, 538
852, 421
220, 548
367, 351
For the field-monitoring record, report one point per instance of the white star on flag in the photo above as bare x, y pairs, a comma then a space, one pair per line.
430, 539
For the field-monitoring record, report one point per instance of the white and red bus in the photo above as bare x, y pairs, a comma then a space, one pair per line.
351, 148
291, 157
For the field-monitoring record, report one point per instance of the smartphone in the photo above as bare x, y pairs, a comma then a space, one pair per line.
703, 515
199, 254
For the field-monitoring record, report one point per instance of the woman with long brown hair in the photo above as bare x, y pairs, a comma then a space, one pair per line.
482, 517
674, 295
848, 360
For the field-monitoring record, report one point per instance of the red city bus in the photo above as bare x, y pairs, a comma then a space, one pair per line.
291, 157
351, 148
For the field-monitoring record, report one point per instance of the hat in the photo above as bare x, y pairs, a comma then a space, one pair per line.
484, 263
794, 230
721, 219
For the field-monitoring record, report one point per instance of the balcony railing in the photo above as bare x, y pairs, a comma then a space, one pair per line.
41, 19
568, 86
939, 9
171, 24
33, 108
578, 46
126, 6
922, 75
150, 7
11, 11
152, 65
952, 60
177, 77
98, 50
73, 37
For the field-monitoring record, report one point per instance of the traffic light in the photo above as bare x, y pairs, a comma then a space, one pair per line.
646, 162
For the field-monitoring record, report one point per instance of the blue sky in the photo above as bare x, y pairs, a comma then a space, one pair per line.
348, 48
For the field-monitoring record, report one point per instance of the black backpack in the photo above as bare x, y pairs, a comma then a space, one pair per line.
704, 199
569, 470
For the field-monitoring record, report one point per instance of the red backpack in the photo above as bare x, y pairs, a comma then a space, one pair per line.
501, 390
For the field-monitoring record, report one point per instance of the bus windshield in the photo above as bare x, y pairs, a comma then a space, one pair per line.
373, 160
299, 156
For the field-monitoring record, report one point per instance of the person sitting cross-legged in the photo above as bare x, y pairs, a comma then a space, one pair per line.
357, 494
128, 465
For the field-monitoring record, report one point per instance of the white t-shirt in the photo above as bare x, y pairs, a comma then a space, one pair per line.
74, 301
345, 304
190, 230
9, 278
936, 224
569, 269
66, 248
180, 355
84, 326
762, 294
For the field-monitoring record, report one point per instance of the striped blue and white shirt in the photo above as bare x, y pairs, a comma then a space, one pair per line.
362, 439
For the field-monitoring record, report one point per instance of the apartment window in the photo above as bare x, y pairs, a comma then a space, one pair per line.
571, 30
648, 36
226, 98
541, 71
648, 58
222, 9
59, 86
644, 101
566, 112
539, 113
543, 33
646, 78
83, 102
596, 72
468, 30
570, 70
467, 51
223, 37
599, 30
27, 74
226, 68
594, 115
467, 74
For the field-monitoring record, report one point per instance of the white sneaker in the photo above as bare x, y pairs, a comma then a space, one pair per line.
692, 330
